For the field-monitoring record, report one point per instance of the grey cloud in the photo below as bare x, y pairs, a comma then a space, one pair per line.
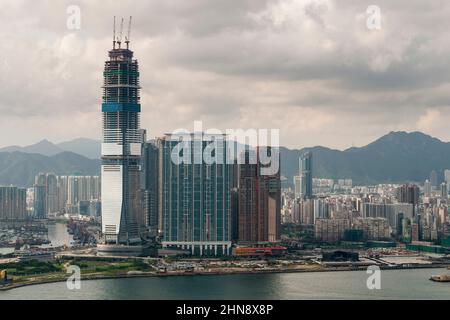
232, 63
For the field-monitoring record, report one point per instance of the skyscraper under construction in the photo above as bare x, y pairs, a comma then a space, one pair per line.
122, 217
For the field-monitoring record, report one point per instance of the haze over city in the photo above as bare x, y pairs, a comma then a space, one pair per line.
309, 68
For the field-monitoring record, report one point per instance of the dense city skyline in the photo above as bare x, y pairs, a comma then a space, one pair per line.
273, 138
318, 70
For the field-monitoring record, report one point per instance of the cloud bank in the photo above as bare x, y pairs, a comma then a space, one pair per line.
310, 68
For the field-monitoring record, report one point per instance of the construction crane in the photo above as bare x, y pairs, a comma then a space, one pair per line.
119, 38
114, 33
127, 38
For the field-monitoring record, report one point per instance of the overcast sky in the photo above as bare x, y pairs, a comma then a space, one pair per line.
309, 68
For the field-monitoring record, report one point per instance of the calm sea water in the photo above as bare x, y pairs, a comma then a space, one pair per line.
58, 235
395, 284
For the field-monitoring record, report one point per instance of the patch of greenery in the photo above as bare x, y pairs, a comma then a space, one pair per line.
30, 267
116, 266
33, 267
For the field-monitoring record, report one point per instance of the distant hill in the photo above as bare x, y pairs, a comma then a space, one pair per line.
396, 157
86, 147
43, 147
19, 168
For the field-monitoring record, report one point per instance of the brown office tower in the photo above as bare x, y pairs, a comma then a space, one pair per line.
259, 199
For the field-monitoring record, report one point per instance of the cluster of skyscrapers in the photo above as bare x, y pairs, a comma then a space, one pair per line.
405, 212
196, 205
49, 196
52, 194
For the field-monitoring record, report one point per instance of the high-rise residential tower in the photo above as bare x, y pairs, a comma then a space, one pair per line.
13, 205
39, 207
306, 175
62, 192
444, 191
82, 188
121, 147
259, 201
149, 184
427, 188
447, 178
297, 186
195, 195
434, 179
409, 193
50, 183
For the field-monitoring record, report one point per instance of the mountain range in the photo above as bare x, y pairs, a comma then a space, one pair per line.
19, 168
86, 147
394, 158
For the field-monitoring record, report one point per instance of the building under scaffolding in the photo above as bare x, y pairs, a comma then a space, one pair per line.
122, 218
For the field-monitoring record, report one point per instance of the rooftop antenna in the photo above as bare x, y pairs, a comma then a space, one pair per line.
127, 38
119, 38
114, 33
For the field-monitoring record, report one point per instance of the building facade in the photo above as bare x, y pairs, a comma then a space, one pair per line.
297, 186
390, 211
50, 183
409, 193
13, 206
195, 195
259, 201
150, 186
81, 188
306, 175
331, 230
39, 202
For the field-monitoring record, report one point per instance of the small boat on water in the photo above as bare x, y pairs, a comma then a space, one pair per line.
441, 278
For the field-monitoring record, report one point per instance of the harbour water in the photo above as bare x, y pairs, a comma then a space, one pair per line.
58, 235
395, 284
